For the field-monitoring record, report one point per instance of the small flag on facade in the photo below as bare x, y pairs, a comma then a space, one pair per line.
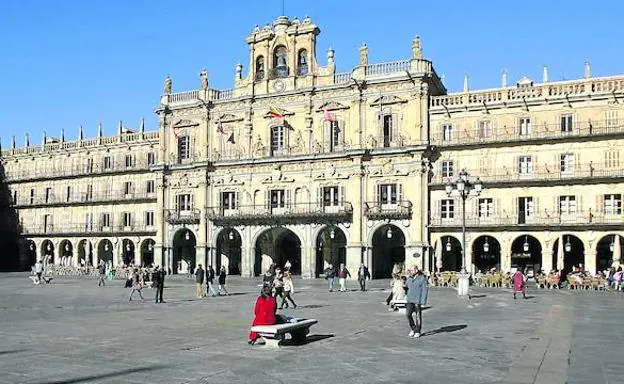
275, 112
327, 116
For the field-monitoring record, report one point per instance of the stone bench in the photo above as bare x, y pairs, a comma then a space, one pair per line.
399, 305
273, 335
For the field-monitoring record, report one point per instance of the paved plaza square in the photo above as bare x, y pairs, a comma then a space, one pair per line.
71, 331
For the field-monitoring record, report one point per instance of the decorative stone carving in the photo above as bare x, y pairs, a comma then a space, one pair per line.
298, 146
229, 179
258, 147
183, 123
277, 176
331, 106
387, 100
371, 142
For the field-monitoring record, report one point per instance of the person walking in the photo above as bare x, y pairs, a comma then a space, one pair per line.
343, 273
287, 266
222, 275
199, 281
159, 283
136, 285
210, 275
101, 273
519, 283
363, 275
330, 275
417, 292
278, 284
38, 271
289, 288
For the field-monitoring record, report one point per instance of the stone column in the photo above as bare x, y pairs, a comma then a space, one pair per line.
410, 251
589, 261
308, 262
200, 255
158, 255
546, 261
354, 256
247, 261
505, 260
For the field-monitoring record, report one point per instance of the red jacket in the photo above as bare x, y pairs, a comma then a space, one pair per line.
264, 312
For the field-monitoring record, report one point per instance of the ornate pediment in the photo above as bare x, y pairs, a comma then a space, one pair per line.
178, 181
330, 173
183, 123
331, 106
387, 168
387, 100
277, 176
270, 114
230, 118
228, 179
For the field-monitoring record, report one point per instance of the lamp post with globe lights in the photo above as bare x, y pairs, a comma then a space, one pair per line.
465, 188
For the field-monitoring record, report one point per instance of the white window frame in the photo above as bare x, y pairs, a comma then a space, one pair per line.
484, 129
525, 165
447, 209
485, 207
150, 187
228, 201
447, 132
278, 140
447, 169
612, 204
566, 163
277, 200
184, 148
524, 126
149, 218
184, 202
388, 195
567, 123
567, 205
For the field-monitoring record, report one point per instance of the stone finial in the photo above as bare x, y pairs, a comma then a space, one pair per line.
239, 71
587, 70
13, 146
81, 133
416, 49
504, 79
203, 77
100, 129
466, 83
45, 138
26, 140
307, 20
545, 75
256, 29
120, 127
142, 125
168, 84
330, 55
62, 135
363, 55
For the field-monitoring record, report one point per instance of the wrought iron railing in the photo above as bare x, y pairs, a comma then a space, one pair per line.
85, 170
292, 212
543, 218
401, 209
84, 228
182, 217
85, 198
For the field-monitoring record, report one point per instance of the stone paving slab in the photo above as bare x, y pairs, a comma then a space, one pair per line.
71, 331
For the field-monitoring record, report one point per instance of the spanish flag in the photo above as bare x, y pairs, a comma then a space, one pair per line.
275, 112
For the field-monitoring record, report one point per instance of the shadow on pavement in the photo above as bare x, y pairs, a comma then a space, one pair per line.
478, 296
308, 340
12, 351
447, 328
311, 306
85, 379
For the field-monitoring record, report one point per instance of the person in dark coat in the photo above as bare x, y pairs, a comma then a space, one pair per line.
330, 274
159, 283
210, 275
199, 281
363, 275
222, 274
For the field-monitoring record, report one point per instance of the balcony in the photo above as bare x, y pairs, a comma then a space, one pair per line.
182, 217
279, 72
286, 214
511, 134
50, 174
551, 174
543, 219
376, 210
86, 199
73, 229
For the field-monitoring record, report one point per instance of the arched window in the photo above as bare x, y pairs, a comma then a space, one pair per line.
260, 68
302, 63
280, 61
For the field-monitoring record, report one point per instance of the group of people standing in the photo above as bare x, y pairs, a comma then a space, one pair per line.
209, 275
280, 284
343, 273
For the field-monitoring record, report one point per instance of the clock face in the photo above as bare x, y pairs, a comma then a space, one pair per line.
278, 85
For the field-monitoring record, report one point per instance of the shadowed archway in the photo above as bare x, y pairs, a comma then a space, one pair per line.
229, 245
526, 252
277, 245
184, 243
486, 254
451, 253
388, 251
331, 248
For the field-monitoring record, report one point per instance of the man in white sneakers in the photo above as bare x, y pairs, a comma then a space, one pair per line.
38, 271
417, 291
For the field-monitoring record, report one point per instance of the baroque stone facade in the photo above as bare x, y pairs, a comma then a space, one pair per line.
300, 163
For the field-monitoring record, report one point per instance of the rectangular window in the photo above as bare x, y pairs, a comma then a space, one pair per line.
447, 210
89, 166
89, 193
149, 218
14, 197
567, 205
184, 202
228, 200
32, 196
68, 196
486, 207
447, 132
47, 223
108, 164
447, 168
129, 161
524, 126
612, 204
278, 140
388, 194
150, 188
127, 219
151, 158
612, 158
105, 220
184, 152
525, 165
566, 123
48, 194
485, 129
88, 222
611, 119
334, 135
330, 196
387, 130
566, 163
278, 198
525, 209
128, 188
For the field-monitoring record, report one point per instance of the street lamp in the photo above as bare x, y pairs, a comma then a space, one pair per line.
465, 188
486, 246
612, 246
525, 246
567, 245
150, 247
332, 233
106, 247
231, 235
448, 244
188, 235
389, 233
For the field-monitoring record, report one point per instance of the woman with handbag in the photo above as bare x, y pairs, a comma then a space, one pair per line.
136, 285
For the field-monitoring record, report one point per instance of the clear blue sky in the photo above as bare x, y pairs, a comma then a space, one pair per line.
65, 63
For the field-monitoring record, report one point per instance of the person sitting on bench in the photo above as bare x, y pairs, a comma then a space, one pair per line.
264, 311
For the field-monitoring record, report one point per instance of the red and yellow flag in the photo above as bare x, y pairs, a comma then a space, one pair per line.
275, 112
